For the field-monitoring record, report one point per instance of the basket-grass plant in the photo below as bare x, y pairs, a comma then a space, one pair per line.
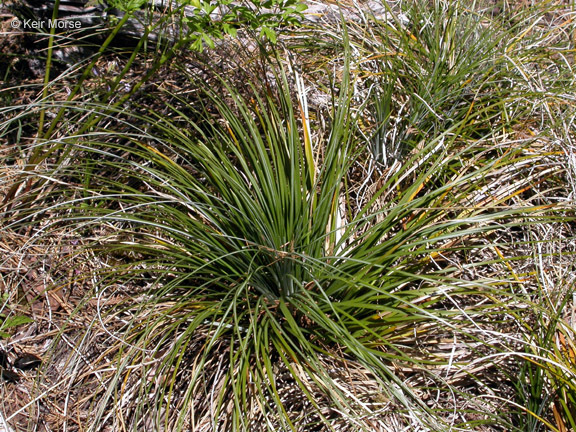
256, 274
249, 283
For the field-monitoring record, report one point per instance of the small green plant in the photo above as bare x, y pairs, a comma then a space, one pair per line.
203, 21
8, 321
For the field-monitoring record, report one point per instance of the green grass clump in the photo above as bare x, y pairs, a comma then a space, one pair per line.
260, 274
365, 265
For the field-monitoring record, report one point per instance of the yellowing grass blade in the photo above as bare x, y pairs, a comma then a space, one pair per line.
303, 104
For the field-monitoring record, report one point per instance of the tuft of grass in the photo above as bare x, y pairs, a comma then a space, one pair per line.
256, 273
266, 264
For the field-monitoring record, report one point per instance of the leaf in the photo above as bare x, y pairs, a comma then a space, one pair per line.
15, 321
208, 41
228, 29
197, 44
300, 7
269, 34
208, 8
127, 5
92, 3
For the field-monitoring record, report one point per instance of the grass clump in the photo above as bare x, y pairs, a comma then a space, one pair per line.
266, 263
259, 275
